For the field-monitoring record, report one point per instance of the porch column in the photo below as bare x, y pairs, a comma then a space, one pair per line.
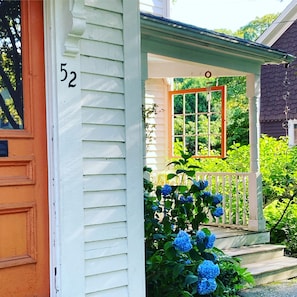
256, 216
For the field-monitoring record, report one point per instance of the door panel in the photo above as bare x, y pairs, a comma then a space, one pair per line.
24, 243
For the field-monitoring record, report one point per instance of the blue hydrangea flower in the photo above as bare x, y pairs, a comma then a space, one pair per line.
210, 241
200, 236
166, 190
200, 184
206, 286
206, 194
182, 242
218, 212
188, 262
155, 207
207, 269
188, 199
217, 198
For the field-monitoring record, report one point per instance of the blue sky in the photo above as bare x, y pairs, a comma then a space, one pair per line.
224, 14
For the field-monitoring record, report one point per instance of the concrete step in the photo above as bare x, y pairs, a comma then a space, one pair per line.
277, 269
231, 238
266, 262
256, 253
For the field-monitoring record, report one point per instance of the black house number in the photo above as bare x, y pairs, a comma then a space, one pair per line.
69, 77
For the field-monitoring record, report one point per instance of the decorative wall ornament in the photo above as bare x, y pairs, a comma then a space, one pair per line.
78, 26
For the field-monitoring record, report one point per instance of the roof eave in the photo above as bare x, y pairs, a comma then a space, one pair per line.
279, 25
184, 33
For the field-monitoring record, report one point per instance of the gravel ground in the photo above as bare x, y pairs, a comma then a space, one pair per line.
286, 288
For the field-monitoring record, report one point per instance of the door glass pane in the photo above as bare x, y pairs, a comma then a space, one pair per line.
11, 90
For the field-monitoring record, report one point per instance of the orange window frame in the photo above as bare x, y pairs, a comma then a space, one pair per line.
223, 91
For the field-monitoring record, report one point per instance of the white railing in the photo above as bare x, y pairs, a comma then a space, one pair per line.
235, 190
236, 195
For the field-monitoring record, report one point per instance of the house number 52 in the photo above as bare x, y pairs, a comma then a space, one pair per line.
68, 77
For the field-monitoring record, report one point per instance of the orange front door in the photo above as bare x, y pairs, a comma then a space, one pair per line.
24, 238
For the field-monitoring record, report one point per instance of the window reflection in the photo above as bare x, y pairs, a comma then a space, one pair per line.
11, 93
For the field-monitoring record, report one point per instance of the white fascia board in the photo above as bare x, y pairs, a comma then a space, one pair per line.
280, 25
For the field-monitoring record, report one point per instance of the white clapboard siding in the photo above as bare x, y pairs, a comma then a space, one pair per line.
156, 7
105, 215
103, 100
103, 116
103, 265
99, 149
94, 48
104, 152
104, 182
105, 248
103, 132
105, 232
94, 166
121, 291
104, 198
101, 83
157, 142
108, 6
106, 281
104, 18
103, 66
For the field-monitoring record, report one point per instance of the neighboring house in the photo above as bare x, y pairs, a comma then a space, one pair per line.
278, 115
71, 201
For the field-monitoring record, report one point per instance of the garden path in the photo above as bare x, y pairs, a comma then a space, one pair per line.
287, 288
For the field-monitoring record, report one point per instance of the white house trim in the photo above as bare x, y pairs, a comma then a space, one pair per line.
51, 107
78, 27
291, 132
156, 7
280, 25
134, 149
64, 155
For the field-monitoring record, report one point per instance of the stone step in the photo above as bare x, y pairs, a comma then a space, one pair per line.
277, 269
266, 262
232, 238
256, 253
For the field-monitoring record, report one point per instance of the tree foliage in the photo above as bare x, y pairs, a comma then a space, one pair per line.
255, 28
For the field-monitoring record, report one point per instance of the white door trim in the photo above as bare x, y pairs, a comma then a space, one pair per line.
63, 25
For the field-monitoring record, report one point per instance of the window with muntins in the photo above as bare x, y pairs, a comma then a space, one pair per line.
198, 122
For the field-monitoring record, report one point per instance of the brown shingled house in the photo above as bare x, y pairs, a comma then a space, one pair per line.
278, 112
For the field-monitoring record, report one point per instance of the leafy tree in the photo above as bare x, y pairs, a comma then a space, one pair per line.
255, 28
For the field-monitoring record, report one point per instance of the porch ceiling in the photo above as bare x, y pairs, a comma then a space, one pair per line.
161, 66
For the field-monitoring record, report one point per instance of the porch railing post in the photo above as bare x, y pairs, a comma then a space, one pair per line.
256, 216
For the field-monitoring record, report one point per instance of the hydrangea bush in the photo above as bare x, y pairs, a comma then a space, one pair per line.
181, 260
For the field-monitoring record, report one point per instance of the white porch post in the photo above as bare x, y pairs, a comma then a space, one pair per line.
256, 216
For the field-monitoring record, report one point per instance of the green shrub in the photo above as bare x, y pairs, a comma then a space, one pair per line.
282, 224
181, 259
